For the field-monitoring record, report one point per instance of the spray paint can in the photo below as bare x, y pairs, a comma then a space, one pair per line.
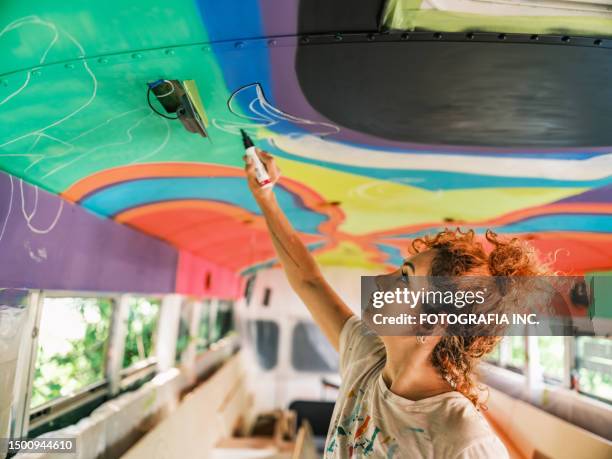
261, 174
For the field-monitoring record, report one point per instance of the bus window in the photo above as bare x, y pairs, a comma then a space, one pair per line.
594, 366
141, 327
224, 322
552, 354
183, 338
264, 335
204, 328
517, 358
311, 351
494, 355
71, 346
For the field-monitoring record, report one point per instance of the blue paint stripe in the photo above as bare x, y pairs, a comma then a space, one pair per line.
232, 190
575, 223
588, 223
395, 255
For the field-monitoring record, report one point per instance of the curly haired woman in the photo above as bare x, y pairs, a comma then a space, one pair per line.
401, 396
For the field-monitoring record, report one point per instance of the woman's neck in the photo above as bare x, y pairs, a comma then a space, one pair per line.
408, 372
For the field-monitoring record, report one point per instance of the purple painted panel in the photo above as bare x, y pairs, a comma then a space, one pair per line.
49, 243
597, 195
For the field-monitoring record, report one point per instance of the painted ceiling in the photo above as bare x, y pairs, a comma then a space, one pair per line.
358, 183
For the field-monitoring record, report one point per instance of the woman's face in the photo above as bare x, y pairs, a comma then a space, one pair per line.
412, 274
414, 269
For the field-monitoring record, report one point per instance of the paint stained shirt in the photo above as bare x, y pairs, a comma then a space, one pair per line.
370, 421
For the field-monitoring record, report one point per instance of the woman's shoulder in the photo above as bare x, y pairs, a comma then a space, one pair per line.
467, 432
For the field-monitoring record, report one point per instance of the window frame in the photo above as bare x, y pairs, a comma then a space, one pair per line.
116, 379
305, 323
534, 375
33, 418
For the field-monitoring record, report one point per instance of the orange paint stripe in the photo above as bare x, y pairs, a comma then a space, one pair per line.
188, 204
92, 183
217, 247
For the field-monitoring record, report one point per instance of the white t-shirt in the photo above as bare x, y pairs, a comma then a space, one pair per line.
370, 421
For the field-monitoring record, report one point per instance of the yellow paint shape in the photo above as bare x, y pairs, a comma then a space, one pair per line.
375, 205
349, 254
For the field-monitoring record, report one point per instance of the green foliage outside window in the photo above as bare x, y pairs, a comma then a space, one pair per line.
141, 327
204, 328
493, 356
551, 350
182, 340
594, 366
71, 346
517, 352
224, 322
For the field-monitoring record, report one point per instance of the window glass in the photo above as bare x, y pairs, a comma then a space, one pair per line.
72, 341
552, 355
204, 327
224, 322
311, 351
517, 353
182, 340
493, 356
594, 366
141, 327
263, 335
13, 314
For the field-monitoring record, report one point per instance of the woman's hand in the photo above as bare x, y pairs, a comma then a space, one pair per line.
267, 159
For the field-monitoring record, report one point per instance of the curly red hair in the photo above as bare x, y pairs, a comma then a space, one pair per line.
460, 253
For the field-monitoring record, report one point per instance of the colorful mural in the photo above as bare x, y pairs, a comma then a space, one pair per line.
74, 121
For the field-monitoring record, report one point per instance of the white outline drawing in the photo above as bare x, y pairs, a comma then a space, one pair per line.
29, 216
266, 115
8, 214
40, 133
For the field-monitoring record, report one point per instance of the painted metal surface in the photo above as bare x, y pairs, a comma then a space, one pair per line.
74, 120
49, 243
